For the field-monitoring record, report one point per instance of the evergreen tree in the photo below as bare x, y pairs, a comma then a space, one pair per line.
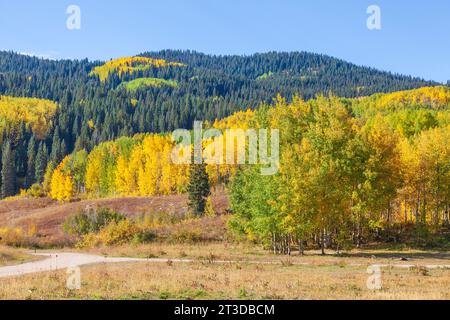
8, 171
46, 184
63, 149
31, 162
198, 188
56, 155
41, 162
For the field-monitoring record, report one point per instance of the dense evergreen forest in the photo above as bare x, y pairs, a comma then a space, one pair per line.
80, 104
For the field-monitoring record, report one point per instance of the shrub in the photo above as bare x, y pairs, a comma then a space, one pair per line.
17, 237
209, 208
155, 219
14, 237
91, 221
115, 233
36, 191
144, 236
105, 217
185, 236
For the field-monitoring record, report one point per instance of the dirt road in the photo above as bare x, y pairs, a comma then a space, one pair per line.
59, 261
63, 260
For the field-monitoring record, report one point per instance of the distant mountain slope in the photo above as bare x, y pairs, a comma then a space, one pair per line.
295, 72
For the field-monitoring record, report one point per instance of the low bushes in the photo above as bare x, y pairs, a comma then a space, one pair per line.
35, 191
91, 221
29, 238
14, 237
104, 227
115, 233
185, 236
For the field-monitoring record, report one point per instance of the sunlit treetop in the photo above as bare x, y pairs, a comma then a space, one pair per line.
240, 119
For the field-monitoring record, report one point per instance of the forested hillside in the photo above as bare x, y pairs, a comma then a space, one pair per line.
349, 169
156, 92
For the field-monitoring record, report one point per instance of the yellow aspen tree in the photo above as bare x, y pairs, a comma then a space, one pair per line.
68, 190
92, 173
122, 173
56, 185
168, 172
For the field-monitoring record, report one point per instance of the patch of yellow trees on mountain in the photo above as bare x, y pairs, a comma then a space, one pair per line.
36, 113
239, 120
130, 65
433, 98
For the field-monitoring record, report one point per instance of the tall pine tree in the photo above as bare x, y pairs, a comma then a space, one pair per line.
41, 162
198, 188
56, 154
8, 171
31, 162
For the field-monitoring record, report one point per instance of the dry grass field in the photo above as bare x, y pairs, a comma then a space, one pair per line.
310, 277
239, 252
10, 256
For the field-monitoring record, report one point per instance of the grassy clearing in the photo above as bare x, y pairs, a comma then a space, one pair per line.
206, 280
11, 256
140, 83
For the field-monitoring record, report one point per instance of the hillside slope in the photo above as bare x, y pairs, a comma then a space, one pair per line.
48, 216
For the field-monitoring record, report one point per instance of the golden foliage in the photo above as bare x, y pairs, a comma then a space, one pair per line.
37, 113
130, 65
62, 188
429, 97
115, 233
239, 120
434, 97
143, 165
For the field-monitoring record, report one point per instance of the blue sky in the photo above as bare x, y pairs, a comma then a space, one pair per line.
414, 39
